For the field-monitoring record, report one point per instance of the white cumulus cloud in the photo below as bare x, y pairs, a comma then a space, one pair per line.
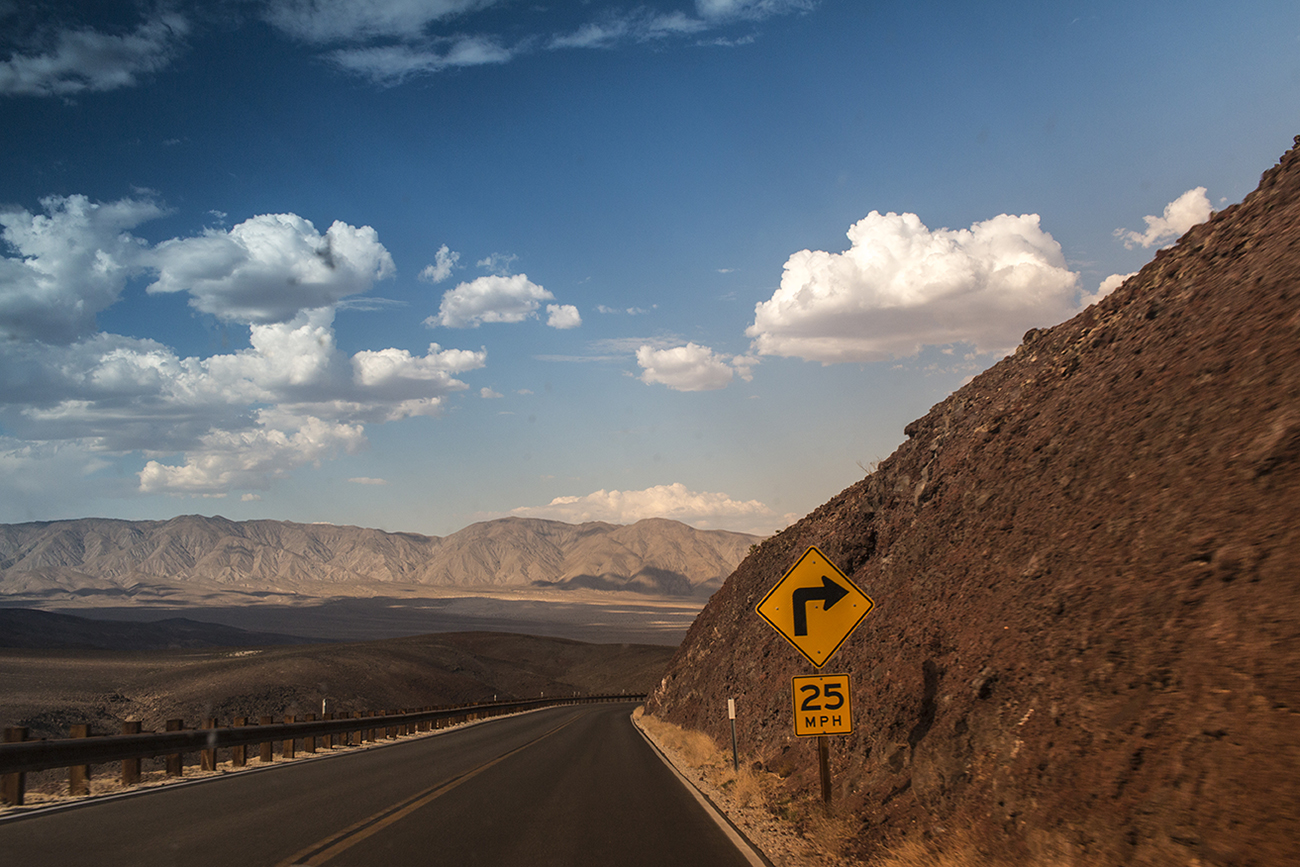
563, 316
901, 286
72, 262
1107, 286
444, 262
1189, 209
226, 460
493, 298
78, 396
688, 368
675, 501
88, 60
386, 368
270, 267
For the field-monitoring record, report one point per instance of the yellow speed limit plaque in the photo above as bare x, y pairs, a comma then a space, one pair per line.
821, 705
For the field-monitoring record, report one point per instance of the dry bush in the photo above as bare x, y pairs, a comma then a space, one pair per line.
749, 789
963, 848
695, 747
914, 853
828, 829
792, 831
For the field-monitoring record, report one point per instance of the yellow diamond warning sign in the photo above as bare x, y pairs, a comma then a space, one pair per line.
822, 705
815, 606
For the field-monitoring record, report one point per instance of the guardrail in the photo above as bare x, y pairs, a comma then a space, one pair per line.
19, 755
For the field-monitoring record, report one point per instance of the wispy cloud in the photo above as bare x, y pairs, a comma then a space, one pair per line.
330, 21
390, 42
394, 64
675, 501
715, 10
88, 60
498, 263
630, 311
614, 28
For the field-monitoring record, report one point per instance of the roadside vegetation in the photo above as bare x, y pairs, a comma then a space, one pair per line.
793, 831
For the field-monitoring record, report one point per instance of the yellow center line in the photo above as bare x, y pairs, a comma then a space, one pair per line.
320, 852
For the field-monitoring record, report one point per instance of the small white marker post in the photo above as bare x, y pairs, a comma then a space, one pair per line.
731, 715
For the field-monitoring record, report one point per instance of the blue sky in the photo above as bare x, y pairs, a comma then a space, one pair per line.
415, 263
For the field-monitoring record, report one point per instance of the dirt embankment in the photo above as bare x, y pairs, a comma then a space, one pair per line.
1086, 648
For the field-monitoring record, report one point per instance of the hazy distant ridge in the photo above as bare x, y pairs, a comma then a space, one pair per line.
94, 556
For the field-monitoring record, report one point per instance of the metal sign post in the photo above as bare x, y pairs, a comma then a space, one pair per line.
822, 707
731, 715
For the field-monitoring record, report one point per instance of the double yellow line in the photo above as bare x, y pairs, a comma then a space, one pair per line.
323, 850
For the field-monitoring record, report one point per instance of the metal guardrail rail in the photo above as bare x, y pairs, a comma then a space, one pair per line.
24, 756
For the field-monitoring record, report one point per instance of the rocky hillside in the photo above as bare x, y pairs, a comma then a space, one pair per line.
115, 559
1086, 646
48, 691
29, 629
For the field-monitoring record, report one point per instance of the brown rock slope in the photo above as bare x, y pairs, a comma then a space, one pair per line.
1087, 640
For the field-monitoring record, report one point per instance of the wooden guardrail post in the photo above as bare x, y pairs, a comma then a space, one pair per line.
208, 757
79, 775
175, 761
266, 751
287, 751
328, 740
239, 754
360, 734
131, 767
13, 787
309, 742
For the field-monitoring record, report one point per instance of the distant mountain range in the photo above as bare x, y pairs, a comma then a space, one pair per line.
190, 556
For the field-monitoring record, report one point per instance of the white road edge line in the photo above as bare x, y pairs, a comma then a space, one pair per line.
738, 839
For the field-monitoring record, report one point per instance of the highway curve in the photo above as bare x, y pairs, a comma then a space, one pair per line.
566, 786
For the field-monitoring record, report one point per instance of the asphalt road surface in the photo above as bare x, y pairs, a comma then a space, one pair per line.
566, 786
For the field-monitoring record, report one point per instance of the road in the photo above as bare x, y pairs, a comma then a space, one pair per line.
565, 786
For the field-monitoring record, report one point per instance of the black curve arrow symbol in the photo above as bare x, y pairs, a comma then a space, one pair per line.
829, 593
